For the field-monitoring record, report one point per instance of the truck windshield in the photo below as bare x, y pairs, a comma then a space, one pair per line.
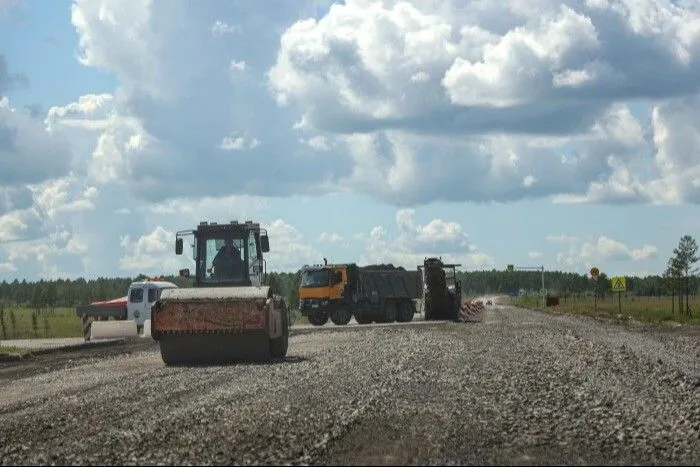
318, 278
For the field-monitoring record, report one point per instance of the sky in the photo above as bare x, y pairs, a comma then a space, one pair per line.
563, 134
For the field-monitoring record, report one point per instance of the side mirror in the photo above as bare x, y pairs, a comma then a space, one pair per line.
185, 272
264, 243
178, 246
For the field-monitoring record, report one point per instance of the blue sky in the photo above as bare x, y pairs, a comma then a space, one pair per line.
514, 133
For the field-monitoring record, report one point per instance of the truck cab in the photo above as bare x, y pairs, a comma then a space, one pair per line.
141, 297
322, 283
321, 287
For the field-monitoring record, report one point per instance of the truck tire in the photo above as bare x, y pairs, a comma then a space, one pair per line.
391, 312
341, 316
406, 311
318, 318
362, 319
280, 345
428, 315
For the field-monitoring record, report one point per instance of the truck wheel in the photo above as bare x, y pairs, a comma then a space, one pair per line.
428, 314
390, 312
361, 319
341, 316
406, 312
318, 318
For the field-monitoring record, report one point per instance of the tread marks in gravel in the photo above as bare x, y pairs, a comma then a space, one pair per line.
546, 391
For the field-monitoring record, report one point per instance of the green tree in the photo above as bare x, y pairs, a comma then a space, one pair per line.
273, 282
51, 295
2, 318
13, 322
35, 324
685, 259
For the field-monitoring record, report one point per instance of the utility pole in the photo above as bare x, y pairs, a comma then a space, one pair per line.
533, 268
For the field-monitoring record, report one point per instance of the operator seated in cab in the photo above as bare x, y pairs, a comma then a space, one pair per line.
227, 262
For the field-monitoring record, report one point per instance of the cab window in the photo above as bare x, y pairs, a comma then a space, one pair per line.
152, 295
136, 296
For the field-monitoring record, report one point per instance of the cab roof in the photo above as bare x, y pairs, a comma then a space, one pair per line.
156, 284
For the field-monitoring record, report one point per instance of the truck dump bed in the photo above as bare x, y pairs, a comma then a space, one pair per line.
106, 309
389, 283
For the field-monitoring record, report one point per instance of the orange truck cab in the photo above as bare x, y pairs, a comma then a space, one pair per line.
322, 294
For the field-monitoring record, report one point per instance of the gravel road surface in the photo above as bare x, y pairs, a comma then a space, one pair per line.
517, 387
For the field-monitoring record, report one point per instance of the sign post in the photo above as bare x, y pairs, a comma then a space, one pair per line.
512, 268
618, 285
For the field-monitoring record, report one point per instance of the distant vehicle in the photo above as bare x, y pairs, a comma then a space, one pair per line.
442, 290
489, 302
129, 314
380, 293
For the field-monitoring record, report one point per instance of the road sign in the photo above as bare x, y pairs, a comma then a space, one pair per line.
618, 284
595, 272
511, 268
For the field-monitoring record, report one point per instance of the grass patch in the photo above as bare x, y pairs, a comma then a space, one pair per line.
651, 310
13, 350
24, 323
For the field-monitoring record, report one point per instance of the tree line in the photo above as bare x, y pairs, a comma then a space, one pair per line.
679, 281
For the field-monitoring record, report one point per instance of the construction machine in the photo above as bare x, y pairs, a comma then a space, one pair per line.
381, 293
229, 315
442, 291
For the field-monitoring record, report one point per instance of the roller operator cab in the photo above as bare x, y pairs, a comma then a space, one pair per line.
226, 255
229, 314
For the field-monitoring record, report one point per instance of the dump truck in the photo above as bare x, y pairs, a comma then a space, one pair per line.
381, 293
229, 315
442, 290
125, 316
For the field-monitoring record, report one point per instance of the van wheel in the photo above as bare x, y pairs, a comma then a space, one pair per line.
87, 325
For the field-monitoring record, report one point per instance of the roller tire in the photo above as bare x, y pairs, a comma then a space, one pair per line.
280, 345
